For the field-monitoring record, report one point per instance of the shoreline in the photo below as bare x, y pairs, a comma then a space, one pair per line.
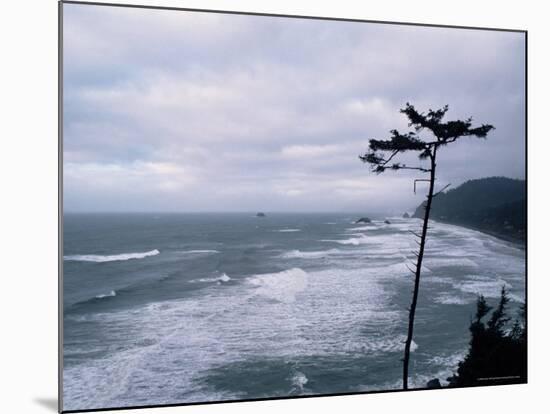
520, 243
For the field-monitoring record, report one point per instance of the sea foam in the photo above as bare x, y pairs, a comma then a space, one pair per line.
110, 258
107, 295
298, 381
282, 286
354, 241
298, 254
223, 278
481, 285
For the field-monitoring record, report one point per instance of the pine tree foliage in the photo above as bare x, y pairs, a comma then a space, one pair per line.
498, 352
443, 133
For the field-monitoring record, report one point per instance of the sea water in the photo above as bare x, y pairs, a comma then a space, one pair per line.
179, 308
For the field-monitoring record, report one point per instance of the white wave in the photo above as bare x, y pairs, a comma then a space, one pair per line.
298, 380
441, 262
481, 285
287, 230
447, 367
448, 361
282, 286
298, 254
222, 278
446, 299
385, 345
361, 228
110, 258
354, 241
387, 256
106, 295
516, 298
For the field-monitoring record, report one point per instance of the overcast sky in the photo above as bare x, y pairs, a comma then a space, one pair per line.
187, 111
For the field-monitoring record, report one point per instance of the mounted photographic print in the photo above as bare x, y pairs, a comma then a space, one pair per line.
264, 206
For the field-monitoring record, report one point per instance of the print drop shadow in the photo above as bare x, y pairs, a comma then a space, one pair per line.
49, 403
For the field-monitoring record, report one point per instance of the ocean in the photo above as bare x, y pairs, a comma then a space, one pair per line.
179, 308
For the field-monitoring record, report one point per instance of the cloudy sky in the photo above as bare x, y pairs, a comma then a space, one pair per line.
188, 111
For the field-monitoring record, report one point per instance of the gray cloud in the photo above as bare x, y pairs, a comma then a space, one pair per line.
185, 111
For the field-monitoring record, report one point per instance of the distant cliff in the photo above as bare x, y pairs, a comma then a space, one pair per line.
495, 205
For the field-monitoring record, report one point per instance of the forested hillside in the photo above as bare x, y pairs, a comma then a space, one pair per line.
496, 205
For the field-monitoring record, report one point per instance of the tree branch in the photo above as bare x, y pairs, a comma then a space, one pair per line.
443, 189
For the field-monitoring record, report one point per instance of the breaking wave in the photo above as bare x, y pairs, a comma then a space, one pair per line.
107, 295
223, 278
354, 241
282, 286
110, 258
298, 254
298, 381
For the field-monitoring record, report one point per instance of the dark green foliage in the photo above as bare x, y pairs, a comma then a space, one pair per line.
495, 204
482, 309
442, 133
497, 355
499, 319
445, 132
479, 194
399, 142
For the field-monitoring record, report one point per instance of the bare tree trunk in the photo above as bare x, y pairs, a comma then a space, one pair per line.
418, 269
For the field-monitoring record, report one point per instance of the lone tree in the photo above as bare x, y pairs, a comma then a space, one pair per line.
381, 156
